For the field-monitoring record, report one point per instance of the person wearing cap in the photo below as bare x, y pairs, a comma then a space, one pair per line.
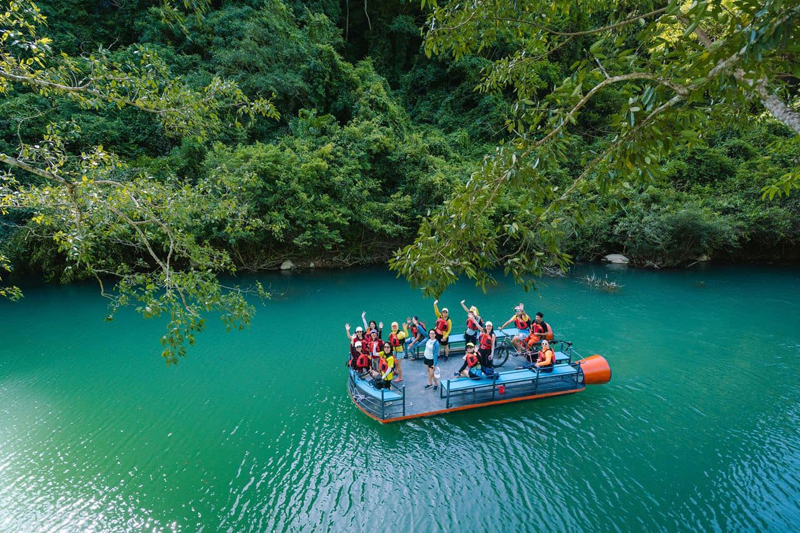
474, 323
396, 341
523, 324
472, 364
431, 357
359, 337
443, 328
361, 362
375, 347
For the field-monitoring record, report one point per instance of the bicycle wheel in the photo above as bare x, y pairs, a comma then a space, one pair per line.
501, 354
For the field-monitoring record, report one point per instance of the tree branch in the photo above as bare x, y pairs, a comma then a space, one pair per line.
585, 32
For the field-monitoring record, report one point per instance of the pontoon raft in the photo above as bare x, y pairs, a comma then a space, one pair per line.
409, 398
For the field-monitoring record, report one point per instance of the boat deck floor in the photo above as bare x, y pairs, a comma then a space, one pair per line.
421, 401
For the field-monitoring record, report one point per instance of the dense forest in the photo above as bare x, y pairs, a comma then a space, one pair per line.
354, 123
373, 135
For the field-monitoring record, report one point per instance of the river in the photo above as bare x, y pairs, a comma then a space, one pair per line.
698, 429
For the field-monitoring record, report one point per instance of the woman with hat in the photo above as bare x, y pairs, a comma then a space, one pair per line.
472, 364
443, 328
474, 323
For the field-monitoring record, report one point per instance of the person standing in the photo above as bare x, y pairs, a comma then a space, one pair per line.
375, 345
473, 323
444, 325
431, 356
486, 345
396, 340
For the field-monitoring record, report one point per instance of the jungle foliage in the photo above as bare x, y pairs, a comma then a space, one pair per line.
154, 145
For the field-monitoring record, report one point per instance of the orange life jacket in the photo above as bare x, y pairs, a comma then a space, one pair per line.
384, 366
542, 357
472, 360
486, 341
521, 324
473, 325
362, 361
441, 325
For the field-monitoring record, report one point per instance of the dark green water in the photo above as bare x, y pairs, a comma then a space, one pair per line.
699, 428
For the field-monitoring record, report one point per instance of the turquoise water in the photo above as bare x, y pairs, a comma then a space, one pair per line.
698, 429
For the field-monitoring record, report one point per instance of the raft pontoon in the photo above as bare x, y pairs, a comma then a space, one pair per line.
409, 398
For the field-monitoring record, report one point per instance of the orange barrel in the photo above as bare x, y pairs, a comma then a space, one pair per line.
595, 370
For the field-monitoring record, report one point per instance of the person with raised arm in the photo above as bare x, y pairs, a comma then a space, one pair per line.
474, 323
416, 333
372, 325
396, 341
522, 322
357, 337
472, 364
443, 328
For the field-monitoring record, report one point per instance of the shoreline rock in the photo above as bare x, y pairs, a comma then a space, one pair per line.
616, 259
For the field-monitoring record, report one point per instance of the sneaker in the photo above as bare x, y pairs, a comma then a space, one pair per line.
435, 387
456, 374
428, 386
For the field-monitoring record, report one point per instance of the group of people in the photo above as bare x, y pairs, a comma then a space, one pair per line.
382, 360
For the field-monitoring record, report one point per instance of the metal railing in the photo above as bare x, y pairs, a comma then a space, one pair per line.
374, 401
538, 376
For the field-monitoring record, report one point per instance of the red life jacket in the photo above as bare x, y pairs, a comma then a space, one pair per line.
415, 329
375, 347
521, 324
394, 340
364, 345
537, 328
472, 360
441, 325
384, 366
552, 357
486, 341
362, 361
471, 324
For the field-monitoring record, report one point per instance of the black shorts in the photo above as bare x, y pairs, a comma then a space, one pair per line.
470, 338
441, 339
429, 362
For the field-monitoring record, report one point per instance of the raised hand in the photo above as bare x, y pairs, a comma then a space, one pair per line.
380, 325
347, 327
363, 314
